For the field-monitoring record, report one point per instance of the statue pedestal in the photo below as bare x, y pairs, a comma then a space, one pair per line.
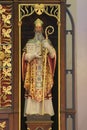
39, 125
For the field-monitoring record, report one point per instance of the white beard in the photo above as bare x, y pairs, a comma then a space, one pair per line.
39, 36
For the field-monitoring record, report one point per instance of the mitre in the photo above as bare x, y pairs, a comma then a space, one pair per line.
38, 22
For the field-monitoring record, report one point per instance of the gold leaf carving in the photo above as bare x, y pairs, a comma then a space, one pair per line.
5, 56
7, 90
6, 32
6, 19
2, 125
39, 8
7, 48
2, 10
7, 72
7, 62
2, 55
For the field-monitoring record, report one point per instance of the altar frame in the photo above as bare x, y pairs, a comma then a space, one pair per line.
59, 31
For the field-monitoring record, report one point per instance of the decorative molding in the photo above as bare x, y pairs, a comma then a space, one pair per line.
5, 55
49, 9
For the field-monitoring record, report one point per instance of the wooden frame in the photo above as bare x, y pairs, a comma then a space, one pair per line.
14, 115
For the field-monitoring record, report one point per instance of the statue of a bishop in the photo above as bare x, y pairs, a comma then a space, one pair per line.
38, 67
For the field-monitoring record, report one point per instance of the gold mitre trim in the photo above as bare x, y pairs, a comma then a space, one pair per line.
38, 22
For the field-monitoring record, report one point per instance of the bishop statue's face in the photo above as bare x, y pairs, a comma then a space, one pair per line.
38, 29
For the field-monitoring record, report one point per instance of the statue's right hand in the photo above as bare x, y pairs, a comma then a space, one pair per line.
37, 56
29, 57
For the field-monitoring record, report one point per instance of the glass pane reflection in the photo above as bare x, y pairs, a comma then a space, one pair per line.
69, 103
69, 123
